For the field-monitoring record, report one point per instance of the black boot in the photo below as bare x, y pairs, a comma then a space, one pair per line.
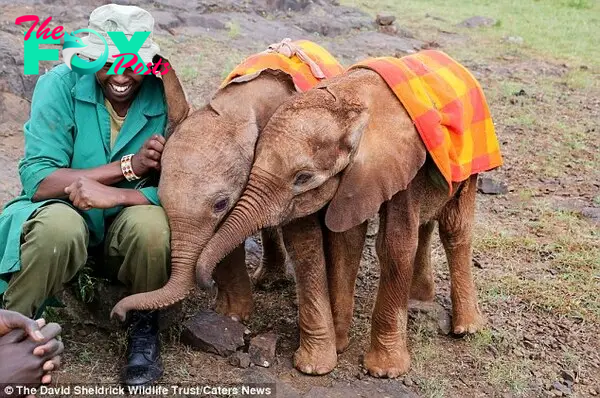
143, 350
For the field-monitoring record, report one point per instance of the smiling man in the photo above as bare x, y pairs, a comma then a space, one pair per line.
93, 147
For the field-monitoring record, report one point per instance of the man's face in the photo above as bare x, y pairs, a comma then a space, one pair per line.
119, 88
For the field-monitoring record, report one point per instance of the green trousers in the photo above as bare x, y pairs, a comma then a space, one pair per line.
55, 246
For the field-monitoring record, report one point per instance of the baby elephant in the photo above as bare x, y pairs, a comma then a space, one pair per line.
404, 138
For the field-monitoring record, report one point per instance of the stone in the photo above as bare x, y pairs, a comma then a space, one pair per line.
388, 29
288, 5
408, 382
490, 186
262, 349
204, 21
262, 377
444, 322
593, 391
568, 376
253, 251
362, 388
166, 19
240, 359
514, 39
477, 21
14, 111
385, 20
324, 27
214, 333
564, 390
592, 214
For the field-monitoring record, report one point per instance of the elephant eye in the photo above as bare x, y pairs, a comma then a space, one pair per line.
302, 178
221, 205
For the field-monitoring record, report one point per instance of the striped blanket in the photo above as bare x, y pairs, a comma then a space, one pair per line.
306, 62
448, 108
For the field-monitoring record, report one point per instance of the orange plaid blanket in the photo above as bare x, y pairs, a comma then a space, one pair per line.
448, 108
306, 62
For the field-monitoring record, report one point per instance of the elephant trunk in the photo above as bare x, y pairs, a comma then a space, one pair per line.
184, 253
251, 213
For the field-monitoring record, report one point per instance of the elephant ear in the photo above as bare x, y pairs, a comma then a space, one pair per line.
388, 153
178, 107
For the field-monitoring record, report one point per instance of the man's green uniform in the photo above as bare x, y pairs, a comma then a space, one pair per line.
70, 127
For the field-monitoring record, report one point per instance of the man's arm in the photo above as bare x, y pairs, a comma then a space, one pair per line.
54, 185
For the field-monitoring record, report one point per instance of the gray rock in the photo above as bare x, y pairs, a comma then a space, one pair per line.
288, 5
262, 349
385, 20
363, 388
562, 388
591, 213
388, 29
253, 251
514, 39
240, 359
262, 377
204, 21
12, 77
444, 322
323, 27
14, 111
477, 21
490, 186
166, 19
212, 332
568, 376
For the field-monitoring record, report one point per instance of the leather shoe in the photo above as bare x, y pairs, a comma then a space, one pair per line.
143, 350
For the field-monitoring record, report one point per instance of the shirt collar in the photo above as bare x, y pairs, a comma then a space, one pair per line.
87, 89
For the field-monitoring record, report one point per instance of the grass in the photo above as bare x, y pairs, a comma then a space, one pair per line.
563, 256
234, 29
562, 29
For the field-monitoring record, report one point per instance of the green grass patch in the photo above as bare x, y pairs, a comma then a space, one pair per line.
563, 29
557, 252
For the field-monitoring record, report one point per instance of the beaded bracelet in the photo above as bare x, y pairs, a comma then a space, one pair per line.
127, 168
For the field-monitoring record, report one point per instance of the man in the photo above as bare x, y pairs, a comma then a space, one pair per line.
93, 144
29, 350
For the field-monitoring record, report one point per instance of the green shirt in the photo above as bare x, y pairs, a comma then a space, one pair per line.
69, 127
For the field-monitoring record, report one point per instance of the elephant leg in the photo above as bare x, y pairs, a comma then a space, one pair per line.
304, 241
272, 269
234, 295
423, 286
396, 248
456, 233
344, 251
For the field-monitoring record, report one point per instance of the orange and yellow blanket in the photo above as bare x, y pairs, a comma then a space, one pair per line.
306, 62
448, 109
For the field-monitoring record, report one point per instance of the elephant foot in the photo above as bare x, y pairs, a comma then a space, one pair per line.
316, 360
467, 322
271, 276
387, 363
234, 305
341, 343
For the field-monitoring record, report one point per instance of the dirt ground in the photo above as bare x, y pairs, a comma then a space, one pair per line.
536, 249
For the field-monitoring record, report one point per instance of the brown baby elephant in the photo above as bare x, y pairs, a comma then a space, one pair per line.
350, 148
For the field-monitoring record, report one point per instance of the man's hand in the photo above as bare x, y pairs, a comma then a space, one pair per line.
86, 194
32, 346
10, 320
148, 157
